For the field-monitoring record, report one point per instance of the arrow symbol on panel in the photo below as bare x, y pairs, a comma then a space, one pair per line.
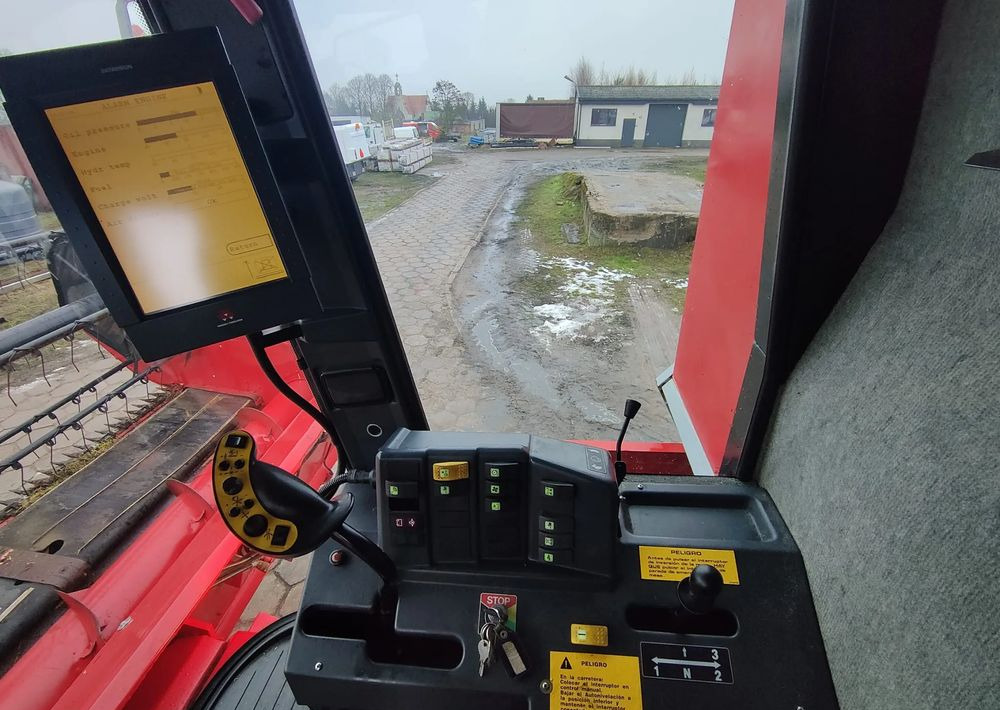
682, 662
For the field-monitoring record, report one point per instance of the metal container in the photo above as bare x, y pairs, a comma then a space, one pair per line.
17, 214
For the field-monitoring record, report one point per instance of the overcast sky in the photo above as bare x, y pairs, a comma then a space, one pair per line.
494, 48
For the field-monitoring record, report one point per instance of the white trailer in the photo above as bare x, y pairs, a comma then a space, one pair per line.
354, 148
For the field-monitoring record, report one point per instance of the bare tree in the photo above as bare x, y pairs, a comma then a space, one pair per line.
355, 92
689, 78
581, 74
338, 102
378, 90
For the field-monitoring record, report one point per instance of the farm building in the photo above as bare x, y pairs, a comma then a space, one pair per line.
646, 116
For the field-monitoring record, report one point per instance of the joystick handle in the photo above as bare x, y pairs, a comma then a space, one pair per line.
698, 591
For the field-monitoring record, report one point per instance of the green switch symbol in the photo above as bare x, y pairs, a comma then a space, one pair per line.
494, 473
548, 557
550, 525
550, 491
549, 542
494, 489
446, 490
444, 473
394, 490
495, 506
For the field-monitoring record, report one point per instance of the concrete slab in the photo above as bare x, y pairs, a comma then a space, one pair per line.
636, 207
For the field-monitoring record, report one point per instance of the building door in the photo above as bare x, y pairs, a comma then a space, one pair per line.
628, 133
665, 125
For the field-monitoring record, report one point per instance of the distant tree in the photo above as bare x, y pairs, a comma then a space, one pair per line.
337, 101
582, 74
365, 94
689, 77
447, 100
355, 92
481, 109
381, 87
626, 77
529, 99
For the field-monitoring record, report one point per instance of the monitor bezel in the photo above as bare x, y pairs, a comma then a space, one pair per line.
99, 72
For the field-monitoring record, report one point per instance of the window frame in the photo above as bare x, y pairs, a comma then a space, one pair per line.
611, 113
705, 122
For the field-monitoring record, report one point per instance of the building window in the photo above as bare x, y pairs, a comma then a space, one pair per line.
708, 118
603, 116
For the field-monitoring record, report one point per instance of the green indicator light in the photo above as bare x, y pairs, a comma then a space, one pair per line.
494, 473
548, 557
445, 490
394, 490
495, 505
494, 489
549, 491
444, 473
550, 525
549, 542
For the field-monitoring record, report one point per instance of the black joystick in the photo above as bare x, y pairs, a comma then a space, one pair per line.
276, 513
697, 592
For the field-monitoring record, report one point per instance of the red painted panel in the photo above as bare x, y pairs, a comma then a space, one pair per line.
717, 328
648, 457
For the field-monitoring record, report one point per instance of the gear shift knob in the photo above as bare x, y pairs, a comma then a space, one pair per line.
698, 591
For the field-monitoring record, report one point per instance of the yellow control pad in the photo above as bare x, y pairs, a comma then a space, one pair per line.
238, 504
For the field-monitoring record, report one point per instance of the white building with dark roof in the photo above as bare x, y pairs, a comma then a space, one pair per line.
646, 116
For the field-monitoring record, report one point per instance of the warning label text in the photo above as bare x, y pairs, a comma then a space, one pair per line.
672, 564
587, 681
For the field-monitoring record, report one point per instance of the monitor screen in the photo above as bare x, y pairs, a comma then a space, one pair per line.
164, 176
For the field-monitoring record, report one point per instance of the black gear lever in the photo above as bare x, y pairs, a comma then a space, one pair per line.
698, 591
277, 514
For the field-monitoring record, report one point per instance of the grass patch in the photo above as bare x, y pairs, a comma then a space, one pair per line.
687, 167
557, 200
49, 222
377, 193
22, 304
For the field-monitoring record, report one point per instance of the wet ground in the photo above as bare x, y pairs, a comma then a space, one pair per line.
555, 338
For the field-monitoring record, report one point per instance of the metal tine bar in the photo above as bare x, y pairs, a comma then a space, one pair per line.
76, 418
73, 396
52, 337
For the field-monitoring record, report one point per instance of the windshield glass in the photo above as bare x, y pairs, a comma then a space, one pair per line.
533, 197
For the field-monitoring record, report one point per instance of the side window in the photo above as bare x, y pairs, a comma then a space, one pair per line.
603, 117
708, 118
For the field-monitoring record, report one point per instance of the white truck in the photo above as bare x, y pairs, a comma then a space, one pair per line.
354, 147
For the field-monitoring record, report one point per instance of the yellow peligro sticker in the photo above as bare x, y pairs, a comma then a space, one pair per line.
594, 680
672, 564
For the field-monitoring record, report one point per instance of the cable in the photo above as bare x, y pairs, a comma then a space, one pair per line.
257, 345
329, 489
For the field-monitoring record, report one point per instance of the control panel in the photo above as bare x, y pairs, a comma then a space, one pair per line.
528, 580
503, 500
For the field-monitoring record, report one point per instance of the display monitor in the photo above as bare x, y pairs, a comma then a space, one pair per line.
165, 177
153, 162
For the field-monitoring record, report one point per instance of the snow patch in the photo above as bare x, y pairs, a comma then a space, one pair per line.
588, 302
676, 283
